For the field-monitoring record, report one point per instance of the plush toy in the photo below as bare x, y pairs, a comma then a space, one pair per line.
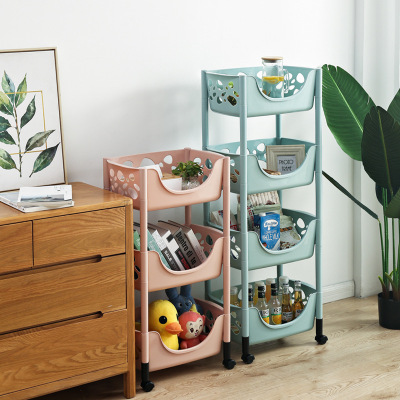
163, 319
184, 301
192, 324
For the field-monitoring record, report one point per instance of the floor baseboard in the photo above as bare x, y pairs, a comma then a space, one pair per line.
338, 291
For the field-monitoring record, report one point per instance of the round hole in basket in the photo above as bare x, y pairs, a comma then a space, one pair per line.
300, 78
238, 323
209, 240
219, 100
237, 171
120, 176
146, 162
209, 163
124, 186
112, 172
261, 147
128, 163
197, 160
233, 313
259, 74
210, 82
206, 253
235, 330
131, 177
209, 315
234, 254
168, 159
133, 193
136, 186
205, 177
300, 223
234, 178
238, 249
295, 91
161, 164
219, 85
303, 232
233, 239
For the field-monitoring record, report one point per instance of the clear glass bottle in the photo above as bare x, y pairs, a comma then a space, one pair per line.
282, 279
269, 281
273, 77
234, 296
251, 303
261, 305
275, 308
298, 305
287, 309
256, 286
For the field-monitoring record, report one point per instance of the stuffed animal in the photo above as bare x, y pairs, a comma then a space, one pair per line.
184, 301
192, 324
163, 319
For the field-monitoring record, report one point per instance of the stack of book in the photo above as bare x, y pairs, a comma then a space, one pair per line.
30, 199
176, 244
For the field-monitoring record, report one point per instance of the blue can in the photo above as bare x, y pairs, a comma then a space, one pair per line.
270, 233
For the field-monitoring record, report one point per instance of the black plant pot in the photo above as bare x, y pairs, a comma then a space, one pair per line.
389, 312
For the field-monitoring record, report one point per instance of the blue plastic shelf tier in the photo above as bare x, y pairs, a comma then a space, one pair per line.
237, 92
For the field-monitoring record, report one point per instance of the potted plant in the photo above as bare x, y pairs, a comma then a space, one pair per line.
370, 134
190, 172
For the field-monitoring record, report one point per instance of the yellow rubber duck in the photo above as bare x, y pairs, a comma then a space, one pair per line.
163, 318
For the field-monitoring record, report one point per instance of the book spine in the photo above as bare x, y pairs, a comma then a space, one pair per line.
186, 249
176, 253
160, 246
196, 245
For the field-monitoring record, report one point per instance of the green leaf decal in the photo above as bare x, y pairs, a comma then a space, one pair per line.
381, 148
8, 86
29, 114
5, 105
345, 104
37, 140
44, 159
6, 138
4, 124
6, 160
21, 92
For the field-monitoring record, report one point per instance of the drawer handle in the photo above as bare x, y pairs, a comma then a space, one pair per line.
52, 325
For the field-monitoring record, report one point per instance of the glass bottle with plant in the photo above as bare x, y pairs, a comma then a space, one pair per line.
370, 134
190, 172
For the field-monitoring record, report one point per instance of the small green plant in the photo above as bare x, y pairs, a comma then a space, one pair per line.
188, 169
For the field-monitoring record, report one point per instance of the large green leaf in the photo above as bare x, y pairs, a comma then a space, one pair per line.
44, 159
29, 114
8, 86
4, 124
6, 160
5, 105
6, 138
21, 92
381, 148
394, 108
37, 140
393, 208
345, 104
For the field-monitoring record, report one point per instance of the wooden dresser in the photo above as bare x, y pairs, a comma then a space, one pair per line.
66, 295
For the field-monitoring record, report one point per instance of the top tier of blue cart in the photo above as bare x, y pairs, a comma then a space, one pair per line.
228, 96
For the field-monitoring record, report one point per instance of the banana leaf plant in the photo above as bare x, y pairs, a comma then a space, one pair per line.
370, 134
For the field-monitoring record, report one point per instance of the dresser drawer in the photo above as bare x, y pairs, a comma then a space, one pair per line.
51, 353
55, 293
77, 236
16, 247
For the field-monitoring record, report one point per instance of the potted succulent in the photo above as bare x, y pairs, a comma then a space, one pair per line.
370, 134
190, 172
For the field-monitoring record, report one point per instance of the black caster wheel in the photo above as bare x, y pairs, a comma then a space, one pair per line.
229, 363
147, 386
247, 358
321, 339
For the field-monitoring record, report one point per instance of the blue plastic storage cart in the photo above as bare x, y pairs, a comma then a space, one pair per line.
237, 92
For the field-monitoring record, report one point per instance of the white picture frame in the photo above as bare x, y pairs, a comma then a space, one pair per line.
31, 139
285, 158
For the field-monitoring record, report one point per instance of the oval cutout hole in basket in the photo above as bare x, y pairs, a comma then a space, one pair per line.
300, 223
128, 163
209, 164
209, 315
209, 240
197, 160
133, 193
300, 78
146, 162
234, 254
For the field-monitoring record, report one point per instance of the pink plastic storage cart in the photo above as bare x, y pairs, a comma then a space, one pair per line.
124, 175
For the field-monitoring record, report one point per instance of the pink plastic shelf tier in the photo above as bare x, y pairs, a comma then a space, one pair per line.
123, 175
162, 357
161, 276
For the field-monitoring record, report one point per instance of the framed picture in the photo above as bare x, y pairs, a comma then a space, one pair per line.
285, 158
31, 146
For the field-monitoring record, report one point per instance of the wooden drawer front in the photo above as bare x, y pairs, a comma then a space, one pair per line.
49, 353
51, 294
16, 247
76, 236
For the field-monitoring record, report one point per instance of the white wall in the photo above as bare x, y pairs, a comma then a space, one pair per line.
130, 82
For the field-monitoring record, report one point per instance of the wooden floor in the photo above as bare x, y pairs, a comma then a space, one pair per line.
361, 360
